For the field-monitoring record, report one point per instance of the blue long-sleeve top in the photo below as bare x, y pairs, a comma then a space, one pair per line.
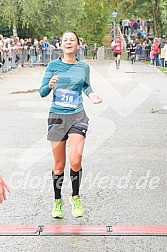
67, 93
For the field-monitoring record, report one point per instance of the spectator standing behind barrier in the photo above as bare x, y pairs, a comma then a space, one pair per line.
29, 45
45, 45
2, 61
162, 56
165, 49
67, 77
54, 41
17, 50
3, 187
162, 51
85, 50
35, 52
138, 51
58, 44
147, 49
156, 50
8, 49
94, 51
23, 48
151, 58
162, 41
81, 49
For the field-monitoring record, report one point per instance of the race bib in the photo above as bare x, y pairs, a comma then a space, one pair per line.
67, 98
118, 47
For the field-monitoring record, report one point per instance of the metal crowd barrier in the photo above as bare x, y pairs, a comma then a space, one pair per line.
31, 57
144, 55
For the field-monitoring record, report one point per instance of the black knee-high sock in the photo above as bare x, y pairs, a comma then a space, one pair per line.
76, 180
57, 184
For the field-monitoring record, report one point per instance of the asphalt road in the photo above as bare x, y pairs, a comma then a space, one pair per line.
124, 163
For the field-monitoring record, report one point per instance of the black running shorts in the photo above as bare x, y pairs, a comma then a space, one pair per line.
60, 125
116, 54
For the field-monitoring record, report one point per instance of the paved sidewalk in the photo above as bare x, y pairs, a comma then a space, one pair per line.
124, 163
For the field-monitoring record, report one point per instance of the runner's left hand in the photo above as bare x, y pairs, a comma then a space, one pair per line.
3, 186
95, 98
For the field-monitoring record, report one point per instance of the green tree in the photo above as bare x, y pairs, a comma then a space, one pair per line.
93, 25
41, 17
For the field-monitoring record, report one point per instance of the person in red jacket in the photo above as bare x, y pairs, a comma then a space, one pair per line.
3, 186
117, 46
156, 51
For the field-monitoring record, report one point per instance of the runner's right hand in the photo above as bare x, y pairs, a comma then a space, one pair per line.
53, 81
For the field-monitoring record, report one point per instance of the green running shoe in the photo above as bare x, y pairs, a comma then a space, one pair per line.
77, 209
57, 211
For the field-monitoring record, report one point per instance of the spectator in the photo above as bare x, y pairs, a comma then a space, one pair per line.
163, 51
138, 51
17, 50
45, 45
29, 45
35, 52
126, 25
131, 25
54, 41
147, 49
23, 48
120, 25
165, 48
135, 27
143, 34
94, 52
2, 61
156, 51
151, 58
85, 50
